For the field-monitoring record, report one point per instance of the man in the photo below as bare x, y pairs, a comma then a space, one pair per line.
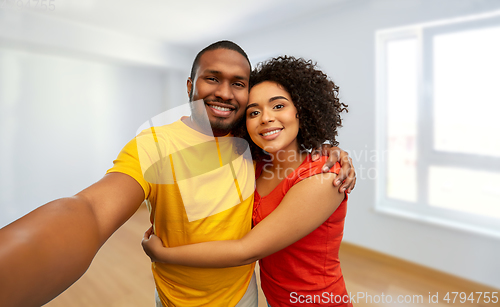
61, 238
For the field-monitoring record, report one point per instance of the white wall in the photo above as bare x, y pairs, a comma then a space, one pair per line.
342, 40
44, 32
71, 97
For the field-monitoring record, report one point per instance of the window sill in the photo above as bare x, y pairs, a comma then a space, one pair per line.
438, 221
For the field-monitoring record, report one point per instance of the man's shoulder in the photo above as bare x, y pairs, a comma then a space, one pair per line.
176, 126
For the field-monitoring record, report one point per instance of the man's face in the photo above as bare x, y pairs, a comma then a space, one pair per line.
221, 82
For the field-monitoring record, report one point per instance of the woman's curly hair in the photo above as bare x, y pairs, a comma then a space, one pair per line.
314, 95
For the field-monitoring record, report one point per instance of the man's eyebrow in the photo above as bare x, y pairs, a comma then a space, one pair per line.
241, 78
270, 100
217, 72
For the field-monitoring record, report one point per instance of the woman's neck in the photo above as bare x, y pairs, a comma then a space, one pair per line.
285, 162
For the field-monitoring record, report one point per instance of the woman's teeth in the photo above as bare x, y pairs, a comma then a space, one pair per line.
271, 132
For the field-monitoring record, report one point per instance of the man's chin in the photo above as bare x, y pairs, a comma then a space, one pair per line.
222, 126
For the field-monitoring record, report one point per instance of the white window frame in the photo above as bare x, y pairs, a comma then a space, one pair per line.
421, 210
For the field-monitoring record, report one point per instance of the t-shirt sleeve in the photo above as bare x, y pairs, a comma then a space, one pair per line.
128, 163
310, 169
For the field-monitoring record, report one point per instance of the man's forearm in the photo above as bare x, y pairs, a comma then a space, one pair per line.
46, 251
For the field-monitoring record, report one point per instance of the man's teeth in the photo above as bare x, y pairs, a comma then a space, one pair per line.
271, 132
221, 108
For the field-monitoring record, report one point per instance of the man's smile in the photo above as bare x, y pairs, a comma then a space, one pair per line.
220, 109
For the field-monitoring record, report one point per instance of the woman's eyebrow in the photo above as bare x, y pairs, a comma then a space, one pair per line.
270, 100
277, 97
252, 105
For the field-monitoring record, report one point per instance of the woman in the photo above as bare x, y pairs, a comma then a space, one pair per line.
298, 216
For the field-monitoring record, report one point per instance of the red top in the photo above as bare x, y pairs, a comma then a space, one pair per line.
308, 271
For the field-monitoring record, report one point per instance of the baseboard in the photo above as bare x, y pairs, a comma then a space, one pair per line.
347, 248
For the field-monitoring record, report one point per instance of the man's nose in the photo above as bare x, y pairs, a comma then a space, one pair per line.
224, 91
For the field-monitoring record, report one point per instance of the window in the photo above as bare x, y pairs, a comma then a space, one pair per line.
438, 103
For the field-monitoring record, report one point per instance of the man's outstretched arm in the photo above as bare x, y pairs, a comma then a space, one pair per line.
47, 250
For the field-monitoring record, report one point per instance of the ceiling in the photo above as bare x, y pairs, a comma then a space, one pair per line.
187, 22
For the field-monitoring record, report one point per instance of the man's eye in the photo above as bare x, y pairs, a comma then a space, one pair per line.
212, 79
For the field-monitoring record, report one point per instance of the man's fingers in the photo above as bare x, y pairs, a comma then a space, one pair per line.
324, 150
349, 182
340, 178
344, 158
345, 170
332, 154
328, 165
346, 176
352, 186
315, 154
335, 152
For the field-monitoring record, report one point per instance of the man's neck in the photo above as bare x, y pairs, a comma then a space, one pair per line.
188, 120
193, 124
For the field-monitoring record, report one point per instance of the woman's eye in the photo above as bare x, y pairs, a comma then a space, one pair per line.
279, 106
254, 113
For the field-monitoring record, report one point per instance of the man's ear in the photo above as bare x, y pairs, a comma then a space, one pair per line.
189, 86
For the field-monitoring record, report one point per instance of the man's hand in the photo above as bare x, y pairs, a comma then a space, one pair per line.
152, 244
347, 174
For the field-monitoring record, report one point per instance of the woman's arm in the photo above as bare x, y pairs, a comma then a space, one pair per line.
303, 209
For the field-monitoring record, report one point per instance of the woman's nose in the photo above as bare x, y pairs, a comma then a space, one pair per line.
267, 116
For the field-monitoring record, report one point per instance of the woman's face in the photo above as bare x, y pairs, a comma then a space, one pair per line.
271, 118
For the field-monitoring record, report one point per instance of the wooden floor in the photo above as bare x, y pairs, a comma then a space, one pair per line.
120, 275
375, 274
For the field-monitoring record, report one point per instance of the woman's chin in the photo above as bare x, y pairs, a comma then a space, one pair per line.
271, 150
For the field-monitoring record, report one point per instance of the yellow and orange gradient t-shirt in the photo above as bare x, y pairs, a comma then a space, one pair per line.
197, 189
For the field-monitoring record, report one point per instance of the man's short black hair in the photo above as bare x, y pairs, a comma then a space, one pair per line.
225, 44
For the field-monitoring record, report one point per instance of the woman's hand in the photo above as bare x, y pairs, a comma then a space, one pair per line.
152, 245
347, 174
